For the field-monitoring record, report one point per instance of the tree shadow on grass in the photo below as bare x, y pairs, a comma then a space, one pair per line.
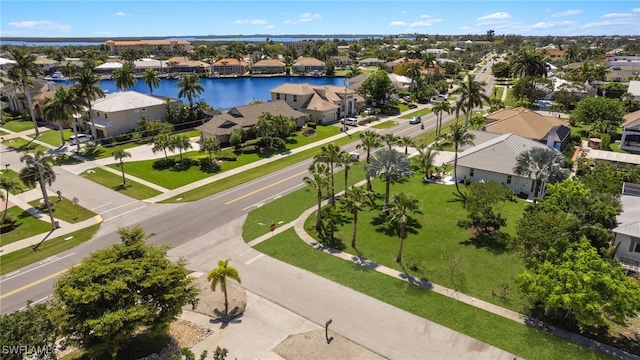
121, 187
498, 242
382, 225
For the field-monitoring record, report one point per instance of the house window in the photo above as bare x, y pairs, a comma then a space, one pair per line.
277, 96
97, 114
635, 247
509, 179
105, 116
143, 109
471, 172
295, 98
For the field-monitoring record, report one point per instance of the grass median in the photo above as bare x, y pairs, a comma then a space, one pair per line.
64, 209
25, 225
495, 330
114, 182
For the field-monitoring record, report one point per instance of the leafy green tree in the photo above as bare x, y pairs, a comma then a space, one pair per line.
62, 107
181, 143
36, 326
119, 155
484, 204
470, 94
330, 155
545, 165
501, 70
390, 165
190, 88
88, 89
219, 275
9, 185
603, 178
210, 145
369, 140
151, 78
118, 291
532, 88
318, 180
613, 90
458, 136
398, 210
236, 138
355, 198
124, 77
378, 87
578, 285
439, 108
25, 69
601, 113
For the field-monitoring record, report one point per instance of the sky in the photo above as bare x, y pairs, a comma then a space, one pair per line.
116, 18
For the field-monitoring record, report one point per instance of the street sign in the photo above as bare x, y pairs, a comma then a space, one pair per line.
272, 227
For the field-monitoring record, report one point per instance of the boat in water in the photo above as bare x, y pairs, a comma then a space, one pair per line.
57, 76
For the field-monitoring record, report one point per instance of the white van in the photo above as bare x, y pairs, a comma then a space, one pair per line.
350, 121
82, 138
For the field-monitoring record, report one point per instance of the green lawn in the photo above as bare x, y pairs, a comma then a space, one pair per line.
497, 92
18, 126
3, 133
322, 132
103, 152
510, 99
421, 112
503, 333
65, 210
114, 182
288, 208
386, 124
23, 257
248, 175
27, 226
23, 145
14, 175
52, 137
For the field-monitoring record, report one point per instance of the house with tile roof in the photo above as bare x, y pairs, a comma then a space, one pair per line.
229, 66
325, 104
268, 67
14, 99
245, 117
627, 233
630, 139
548, 130
152, 46
493, 157
120, 112
308, 64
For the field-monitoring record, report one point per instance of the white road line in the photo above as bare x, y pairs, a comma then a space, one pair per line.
35, 268
118, 207
125, 213
98, 207
255, 258
34, 302
273, 196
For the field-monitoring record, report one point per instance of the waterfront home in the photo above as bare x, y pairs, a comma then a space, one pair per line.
229, 66
325, 104
308, 64
107, 68
120, 112
342, 61
524, 122
268, 67
370, 62
245, 117
13, 96
187, 66
627, 233
151, 46
143, 64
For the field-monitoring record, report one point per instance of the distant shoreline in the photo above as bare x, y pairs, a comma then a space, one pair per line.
222, 37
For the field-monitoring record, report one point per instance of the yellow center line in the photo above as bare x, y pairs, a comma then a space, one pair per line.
264, 188
34, 283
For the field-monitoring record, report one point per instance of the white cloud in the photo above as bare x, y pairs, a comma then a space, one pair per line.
466, 28
258, 22
430, 18
288, 22
241, 22
552, 24
397, 23
567, 13
636, 10
420, 24
40, 25
606, 23
306, 17
496, 16
616, 15
269, 27
120, 13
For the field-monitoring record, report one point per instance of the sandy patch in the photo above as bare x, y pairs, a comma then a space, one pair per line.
313, 345
212, 303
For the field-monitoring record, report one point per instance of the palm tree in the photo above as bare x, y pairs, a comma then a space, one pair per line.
496, 104
190, 88
528, 63
438, 108
180, 142
414, 72
398, 211
88, 89
369, 140
318, 180
390, 140
8, 184
426, 156
346, 160
543, 163
210, 145
471, 95
152, 79
23, 70
457, 137
219, 275
406, 141
355, 198
161, 142
64, 105
124, 77
39, 170
330, 154
389, 165
119, 155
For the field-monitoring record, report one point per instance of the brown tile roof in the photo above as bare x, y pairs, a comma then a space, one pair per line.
308, 61
523, 122
230, 61
269, 62
631, 118
294, 89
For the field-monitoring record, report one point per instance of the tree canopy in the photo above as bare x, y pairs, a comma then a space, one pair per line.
378, 87
603, 114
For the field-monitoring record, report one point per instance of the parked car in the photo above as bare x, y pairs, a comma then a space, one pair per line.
81, 138
350, 121
415, 120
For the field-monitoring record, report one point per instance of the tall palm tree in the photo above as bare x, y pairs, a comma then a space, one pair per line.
181, 143
439, 108
389, 165
471, 93
152, 79
210, 145
390, 140
318, 180
398, 211
190, 88
369, 140
63, 106
346, 160
355, 198
528, 63
414, 72
39, 170
426, 156
9, 185
457, 137
119, 155
88, 89
330, 154
406, 141
24, 69
161, 142
546, 166
219, 275
124, 77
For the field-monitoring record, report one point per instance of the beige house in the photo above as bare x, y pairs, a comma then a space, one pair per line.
268, 66
308, 64
325, 104
120, 112
153, 47
524, 122
229, 66
245, 117
182, 65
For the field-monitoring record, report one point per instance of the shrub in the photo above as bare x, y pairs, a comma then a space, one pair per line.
188, 162
309, 131
364, 122
253, 142
251, 149
311, 124
226, 155
163, 163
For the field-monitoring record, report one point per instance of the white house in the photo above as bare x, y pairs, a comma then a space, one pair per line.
630, 139
634, 89
493, 157
627, 233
